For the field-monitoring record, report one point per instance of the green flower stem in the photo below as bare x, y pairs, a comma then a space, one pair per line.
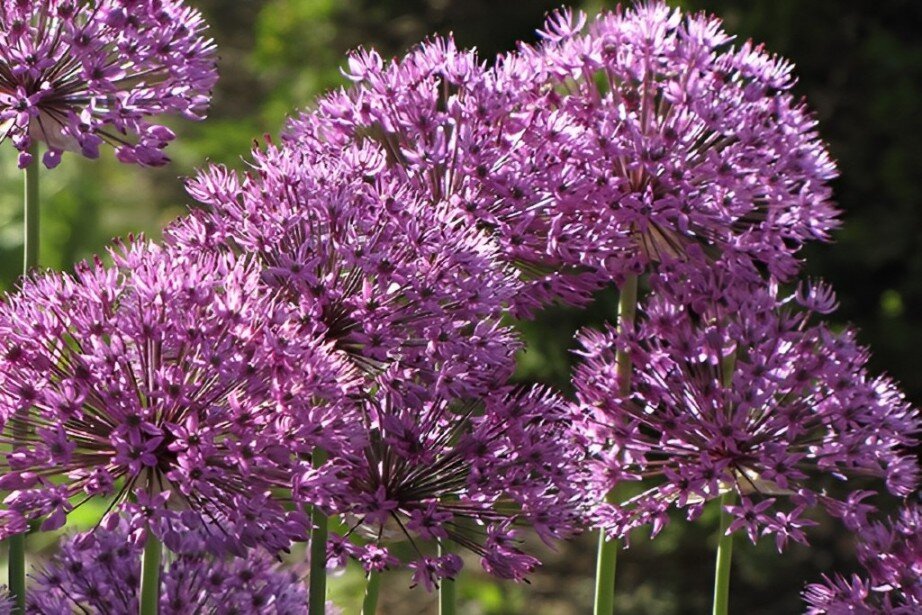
724, 554
605, 566
725, 541
31, 213
447, 597
607, 560
17, 572
150, 575
372, 589
17, 544
317, 597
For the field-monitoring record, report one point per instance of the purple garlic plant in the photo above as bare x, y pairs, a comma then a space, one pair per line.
160, 384
398, 282
465, 473
391, 275
75, 74
97, 574
739, 395
891, 555
642, 138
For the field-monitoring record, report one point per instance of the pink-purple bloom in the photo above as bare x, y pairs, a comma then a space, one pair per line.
470, 473
168, 384
891, 554
392, 276
641, 138
75, 74
98, 573
739, 394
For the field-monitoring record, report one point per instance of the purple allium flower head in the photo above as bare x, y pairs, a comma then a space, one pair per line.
892, 556
741, 395
649, 132
441, 121
394, 278
6, 603
79, 73
164, 383
99, 573
604, 150
465, 472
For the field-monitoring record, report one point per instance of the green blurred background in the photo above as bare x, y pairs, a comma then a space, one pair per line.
860, 67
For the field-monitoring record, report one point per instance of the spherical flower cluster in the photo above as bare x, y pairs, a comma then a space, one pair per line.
465, 472
442, 121
394, 278
75, 74
892, 556
166, 383
98, 573
739, 395
603, 151
649, 133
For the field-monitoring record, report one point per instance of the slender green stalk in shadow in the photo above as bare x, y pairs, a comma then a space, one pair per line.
149, 602
724, 555
725, 541
372, 588
17, 544
447, 596
606, 562
317, 597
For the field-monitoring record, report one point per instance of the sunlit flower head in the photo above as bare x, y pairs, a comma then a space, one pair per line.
744, 397
472, 474
392, 277
99, 574
167, 384
77, 74
642, 137
891, 554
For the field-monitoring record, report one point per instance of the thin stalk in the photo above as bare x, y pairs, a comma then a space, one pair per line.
725, 541
30, 214
724, 555
605, 566
317, 597
372, 589
607, 560
17, 572
150, 575
447, 596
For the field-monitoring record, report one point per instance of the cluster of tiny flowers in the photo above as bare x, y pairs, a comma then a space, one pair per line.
98, 573
465, 472
892, 556
650, 132
75, 74
161, 383
400, 283
604, 150
393, 278
441, 123
740, 395
326, 329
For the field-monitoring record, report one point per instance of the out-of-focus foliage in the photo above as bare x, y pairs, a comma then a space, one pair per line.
860, 67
